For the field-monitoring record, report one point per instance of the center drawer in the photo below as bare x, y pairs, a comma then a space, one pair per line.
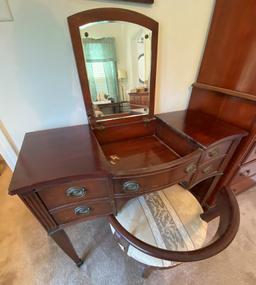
75, 191
137, 184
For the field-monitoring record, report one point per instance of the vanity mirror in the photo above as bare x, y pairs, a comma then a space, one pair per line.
118, 60
115, 52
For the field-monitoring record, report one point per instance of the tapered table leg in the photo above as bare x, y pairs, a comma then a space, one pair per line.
63, 241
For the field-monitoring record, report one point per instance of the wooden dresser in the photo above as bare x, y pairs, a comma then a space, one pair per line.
139, 99
226, 88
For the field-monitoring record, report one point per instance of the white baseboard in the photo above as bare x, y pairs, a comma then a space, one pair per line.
7, 151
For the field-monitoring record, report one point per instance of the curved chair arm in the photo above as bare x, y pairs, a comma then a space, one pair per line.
226, 208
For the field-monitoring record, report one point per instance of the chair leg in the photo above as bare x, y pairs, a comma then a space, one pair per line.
147, 271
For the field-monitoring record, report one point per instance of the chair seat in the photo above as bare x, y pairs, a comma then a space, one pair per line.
167, 219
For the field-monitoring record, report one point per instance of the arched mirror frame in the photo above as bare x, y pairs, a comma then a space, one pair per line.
111, 14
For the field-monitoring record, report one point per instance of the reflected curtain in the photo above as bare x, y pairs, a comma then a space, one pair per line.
102, 50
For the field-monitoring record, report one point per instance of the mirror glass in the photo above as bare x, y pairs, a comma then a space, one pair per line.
118, 64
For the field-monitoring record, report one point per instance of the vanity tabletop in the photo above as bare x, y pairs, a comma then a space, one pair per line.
202, 128
55, 154
63, 154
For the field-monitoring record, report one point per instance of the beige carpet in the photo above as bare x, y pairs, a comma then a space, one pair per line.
29, 256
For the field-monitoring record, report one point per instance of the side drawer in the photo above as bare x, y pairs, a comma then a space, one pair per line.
244, 172
156, 181
81, 211
251, 155
217, 150
207, 169
75, 191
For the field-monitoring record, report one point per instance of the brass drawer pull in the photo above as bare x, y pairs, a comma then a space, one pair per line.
83, 210
76, 192
214, 152
131, 186
207, 170
191, 168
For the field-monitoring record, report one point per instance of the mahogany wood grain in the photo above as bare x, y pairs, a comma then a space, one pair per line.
251, 155
225, 86
200, 127
208, 169
138, 153
63, 157
126, 131
217, 150
245, 171
33, 202
233, 110
225, 91
175, 141
243, 185
63, 241
57, 155
56, 195
66, 214
139, 99
229, 59
158, 180
53, 159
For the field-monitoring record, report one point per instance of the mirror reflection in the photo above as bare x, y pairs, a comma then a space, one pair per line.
118, 64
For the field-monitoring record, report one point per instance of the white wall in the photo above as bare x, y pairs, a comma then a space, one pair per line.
39, 85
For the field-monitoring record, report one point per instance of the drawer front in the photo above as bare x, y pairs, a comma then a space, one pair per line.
207, 169
244, 172
138, 184
244, 184
251, 155
75, 191
217, 150
81, 211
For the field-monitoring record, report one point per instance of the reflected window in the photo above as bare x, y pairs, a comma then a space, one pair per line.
101, 67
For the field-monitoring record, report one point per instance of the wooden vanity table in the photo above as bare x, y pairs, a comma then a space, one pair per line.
72, 174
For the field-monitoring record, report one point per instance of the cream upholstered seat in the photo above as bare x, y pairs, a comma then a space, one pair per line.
168, 219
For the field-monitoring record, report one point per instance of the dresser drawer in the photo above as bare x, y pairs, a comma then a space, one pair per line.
245, 171
75, 191
143, 183
81, 211
207, 169
244, 184
251, 155
217, 150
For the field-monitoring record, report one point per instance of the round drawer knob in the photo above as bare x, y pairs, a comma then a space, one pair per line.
76, 192
191, 168
207, 170
131, 186
82, 210
214, 152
